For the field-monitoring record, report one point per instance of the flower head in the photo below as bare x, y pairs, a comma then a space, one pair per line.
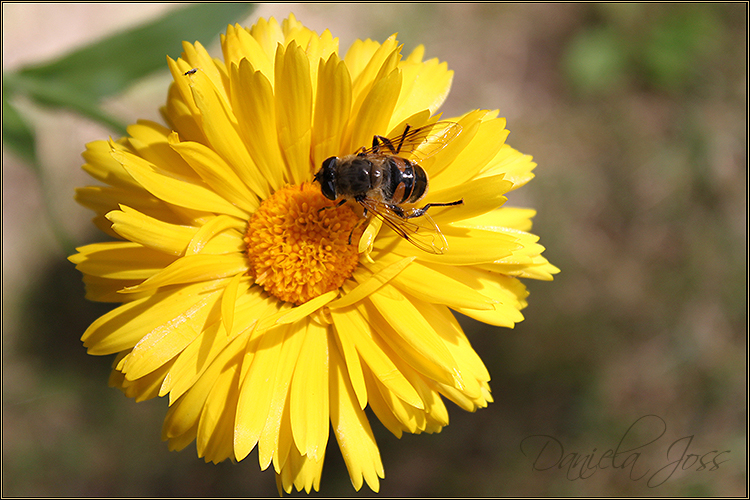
269, 314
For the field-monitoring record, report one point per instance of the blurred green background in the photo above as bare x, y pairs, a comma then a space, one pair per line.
637, 118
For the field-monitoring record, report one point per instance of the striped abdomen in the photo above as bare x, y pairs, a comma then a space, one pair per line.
403, 181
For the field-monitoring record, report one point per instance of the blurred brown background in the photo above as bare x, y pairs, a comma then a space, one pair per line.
637, 117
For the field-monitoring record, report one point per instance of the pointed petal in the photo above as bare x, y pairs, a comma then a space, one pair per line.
256, 394
215, 172
278, 423
214, 436
149, 231
373, 117
119, 260
194, 268
352, 430
412, 336
308, 396
293, 91
181, 192
371, 351
379, 276
220, 127
426, 86
332, 109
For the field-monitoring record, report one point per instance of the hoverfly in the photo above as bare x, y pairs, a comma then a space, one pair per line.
381, 180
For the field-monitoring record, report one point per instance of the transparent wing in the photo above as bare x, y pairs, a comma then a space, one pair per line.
420, 143
422, 232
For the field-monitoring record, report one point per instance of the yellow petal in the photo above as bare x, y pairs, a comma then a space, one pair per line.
352, 430
183, 414
228, 301
150, 232
506, 291
351, 324
104, 199
468, 363
123, 327
108, 290
180, 113
294, 30
372, 118
195, 268
332, 109
216, 173
425, 86
360, 54
219, 235
214, 436
318, 50
308, 396
479, 196
516, 167
473, 157
270, 445
436, 284
150, 141
367, 241
379, 276
268, 34
409, 334
435, 164
348, 351
380, 60
262, 357
198, 57
144, 388
120, 260
301, 472
380, 407
195, 359
182, 192
220, 127
466, 246
297, 313
254, 104
516, 218
180, 102
239, 44
101, 166
293, 95
410, 419
169, 331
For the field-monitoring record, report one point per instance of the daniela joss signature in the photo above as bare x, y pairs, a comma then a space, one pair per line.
548, 452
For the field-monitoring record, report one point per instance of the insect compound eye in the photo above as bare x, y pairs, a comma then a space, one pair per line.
325, 177
329, 164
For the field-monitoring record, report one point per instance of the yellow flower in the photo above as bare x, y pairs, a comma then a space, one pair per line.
249, 304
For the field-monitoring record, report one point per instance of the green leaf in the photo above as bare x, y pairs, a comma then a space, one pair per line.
110, 66
677, 44
595, 61
17, 135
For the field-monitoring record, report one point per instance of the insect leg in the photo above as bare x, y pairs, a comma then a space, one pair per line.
337, 205
418, 212
379, 141
403, 138
359, 223
397, 210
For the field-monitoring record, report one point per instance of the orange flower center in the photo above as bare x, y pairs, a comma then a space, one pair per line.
298, 244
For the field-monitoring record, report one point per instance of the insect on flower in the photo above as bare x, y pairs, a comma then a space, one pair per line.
255, 315
381, 180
